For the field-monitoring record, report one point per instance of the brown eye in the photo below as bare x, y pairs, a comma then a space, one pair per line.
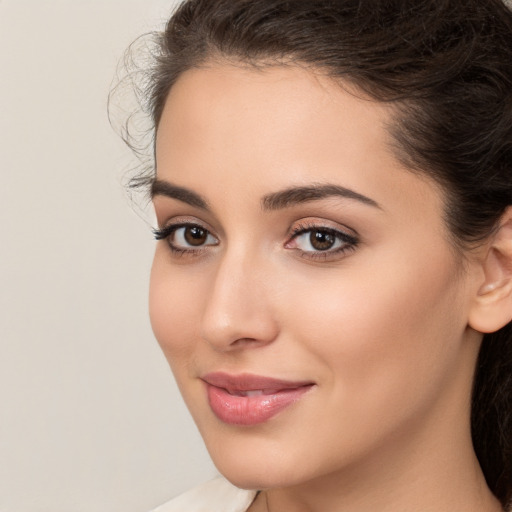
321, 240
195, 235
186, 237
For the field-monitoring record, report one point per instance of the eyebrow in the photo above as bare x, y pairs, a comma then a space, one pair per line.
274, 201
296, 195
185, 195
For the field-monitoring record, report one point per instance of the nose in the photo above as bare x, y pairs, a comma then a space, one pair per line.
238, 311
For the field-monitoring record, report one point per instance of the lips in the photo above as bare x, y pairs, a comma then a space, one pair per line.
251, 399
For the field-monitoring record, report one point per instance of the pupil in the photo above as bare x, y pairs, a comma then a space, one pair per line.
195, 235
322, 240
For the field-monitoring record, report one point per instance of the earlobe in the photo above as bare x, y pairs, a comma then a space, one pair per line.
492, 306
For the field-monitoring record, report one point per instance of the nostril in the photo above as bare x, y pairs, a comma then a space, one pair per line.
250, 333
245, 342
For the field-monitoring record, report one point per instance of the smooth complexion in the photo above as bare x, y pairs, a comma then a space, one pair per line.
350, 284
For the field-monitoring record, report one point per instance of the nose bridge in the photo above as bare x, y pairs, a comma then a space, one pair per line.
238, 309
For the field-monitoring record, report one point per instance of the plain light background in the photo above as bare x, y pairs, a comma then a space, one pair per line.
90, 417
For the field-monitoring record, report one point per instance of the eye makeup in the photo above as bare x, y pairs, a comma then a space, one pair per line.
311, 240
315, 240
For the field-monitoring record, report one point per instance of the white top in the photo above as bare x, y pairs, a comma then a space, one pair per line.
214, 496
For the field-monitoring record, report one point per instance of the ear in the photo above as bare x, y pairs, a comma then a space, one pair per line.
492, 306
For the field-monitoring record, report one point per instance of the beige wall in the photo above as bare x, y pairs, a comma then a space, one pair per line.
90, 419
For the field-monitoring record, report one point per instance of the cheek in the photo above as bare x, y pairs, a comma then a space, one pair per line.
173, 310
387, 333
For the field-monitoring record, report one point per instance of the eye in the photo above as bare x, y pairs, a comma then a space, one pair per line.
192, 236
321, 241
317, 240
186, 237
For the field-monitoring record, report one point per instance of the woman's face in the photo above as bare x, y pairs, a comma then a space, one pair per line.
304, 292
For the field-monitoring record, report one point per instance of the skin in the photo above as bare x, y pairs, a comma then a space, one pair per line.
382, 328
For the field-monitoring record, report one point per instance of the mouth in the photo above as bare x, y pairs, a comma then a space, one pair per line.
251, 399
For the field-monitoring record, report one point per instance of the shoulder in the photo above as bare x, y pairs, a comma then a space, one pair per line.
213, 496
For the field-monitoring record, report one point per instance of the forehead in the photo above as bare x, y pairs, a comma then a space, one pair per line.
286, 100
266, 112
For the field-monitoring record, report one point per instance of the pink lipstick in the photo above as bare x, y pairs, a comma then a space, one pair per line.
247, 399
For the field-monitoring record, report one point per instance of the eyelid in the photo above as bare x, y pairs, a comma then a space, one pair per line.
180, 221
349, 238
308, 224
175, 224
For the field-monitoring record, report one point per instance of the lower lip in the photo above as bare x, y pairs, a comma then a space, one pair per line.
251, 410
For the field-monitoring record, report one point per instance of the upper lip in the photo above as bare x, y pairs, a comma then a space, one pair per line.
248, 382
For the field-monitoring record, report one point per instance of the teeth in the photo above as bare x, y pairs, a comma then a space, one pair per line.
253, 392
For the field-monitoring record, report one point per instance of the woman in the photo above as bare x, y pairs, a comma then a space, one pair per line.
332, 285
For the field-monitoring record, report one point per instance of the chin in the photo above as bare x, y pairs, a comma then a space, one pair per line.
259, 464
244, 476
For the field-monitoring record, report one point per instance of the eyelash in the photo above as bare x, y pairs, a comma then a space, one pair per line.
167, 231
349, 242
